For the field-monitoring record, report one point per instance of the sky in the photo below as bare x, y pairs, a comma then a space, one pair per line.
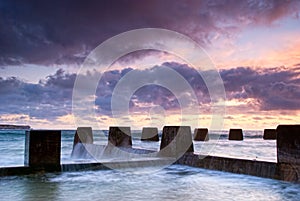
253, 44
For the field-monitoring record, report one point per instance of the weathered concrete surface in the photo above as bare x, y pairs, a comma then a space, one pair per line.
236, 134
150, 134
288, 152
83, 135
176, 140
120, 136
201, 134
239, 166
86, 166
42, 149
270, 134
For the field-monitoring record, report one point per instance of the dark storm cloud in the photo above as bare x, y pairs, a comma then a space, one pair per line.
63, 32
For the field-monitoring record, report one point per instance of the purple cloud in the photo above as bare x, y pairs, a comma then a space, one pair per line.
48, 99
273, 89
64, 32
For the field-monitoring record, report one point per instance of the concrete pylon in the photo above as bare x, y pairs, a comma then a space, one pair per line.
120, 136
236, 134
270, 134
83, 136
176, 141
150, 134
201, 134
42, 149
288, 152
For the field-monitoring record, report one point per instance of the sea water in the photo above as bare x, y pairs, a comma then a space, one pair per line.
253, 147
175, 182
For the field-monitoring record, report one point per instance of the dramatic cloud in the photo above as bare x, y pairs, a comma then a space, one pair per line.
46, 100
63, 32
272, 89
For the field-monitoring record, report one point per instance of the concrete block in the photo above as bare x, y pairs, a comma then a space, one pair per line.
236, 134
150, 134
288, 152
201, 134
83, 135
42, 149
270, 134
120, 136
176, 140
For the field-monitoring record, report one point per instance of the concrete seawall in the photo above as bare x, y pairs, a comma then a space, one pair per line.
233, 165
86, 166
287, 168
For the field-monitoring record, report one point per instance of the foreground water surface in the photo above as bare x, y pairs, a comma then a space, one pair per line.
175, 182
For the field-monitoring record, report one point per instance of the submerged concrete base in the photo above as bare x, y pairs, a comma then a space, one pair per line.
86, 166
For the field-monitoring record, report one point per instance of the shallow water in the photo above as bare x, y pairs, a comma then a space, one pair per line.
173, 183
12, 144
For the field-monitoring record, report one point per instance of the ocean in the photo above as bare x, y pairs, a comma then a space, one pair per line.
176, 182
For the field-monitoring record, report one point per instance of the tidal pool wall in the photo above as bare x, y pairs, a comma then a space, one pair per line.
42, 154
